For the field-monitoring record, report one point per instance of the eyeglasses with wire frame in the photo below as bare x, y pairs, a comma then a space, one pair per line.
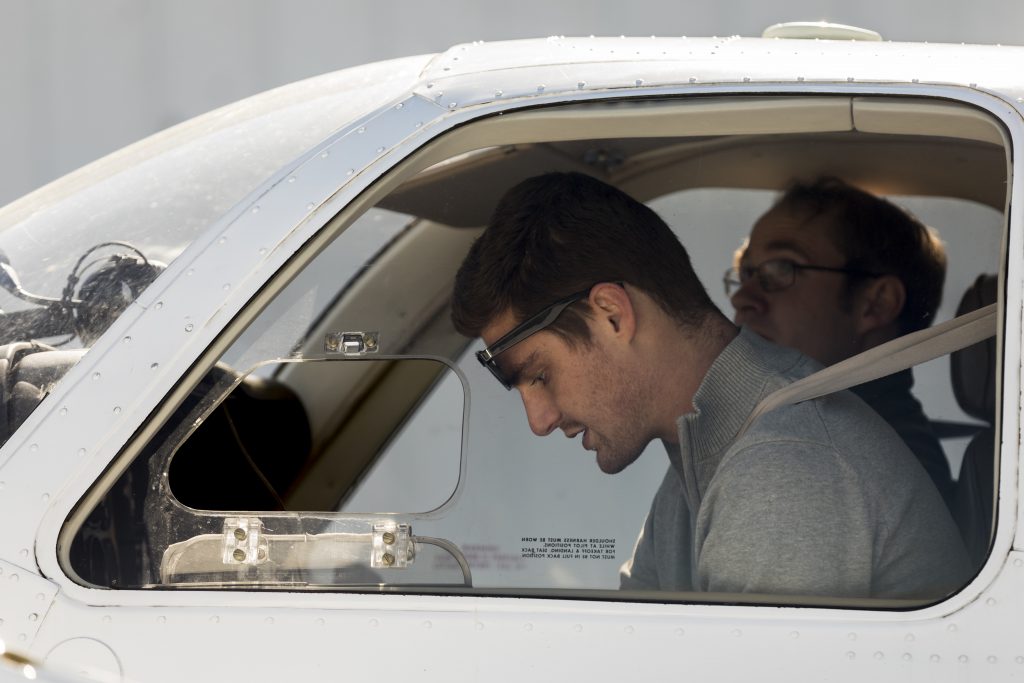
529, 327
775, 275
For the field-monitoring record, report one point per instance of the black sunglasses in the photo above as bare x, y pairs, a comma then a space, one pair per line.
532, 325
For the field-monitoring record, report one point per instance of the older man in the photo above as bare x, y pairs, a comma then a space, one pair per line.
831, 270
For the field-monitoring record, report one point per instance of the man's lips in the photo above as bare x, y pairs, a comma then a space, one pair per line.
576, 431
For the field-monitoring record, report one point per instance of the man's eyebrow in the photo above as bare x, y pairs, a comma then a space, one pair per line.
787, 245
513, 373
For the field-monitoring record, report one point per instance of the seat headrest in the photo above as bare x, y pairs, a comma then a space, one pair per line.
973, 369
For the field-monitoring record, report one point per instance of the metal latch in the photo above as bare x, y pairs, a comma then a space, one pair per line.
352, 343
392, 546
243, 541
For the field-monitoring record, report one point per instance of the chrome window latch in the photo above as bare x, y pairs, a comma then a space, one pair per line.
352, 343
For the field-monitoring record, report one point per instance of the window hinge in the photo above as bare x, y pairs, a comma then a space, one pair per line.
244, 542
392, 546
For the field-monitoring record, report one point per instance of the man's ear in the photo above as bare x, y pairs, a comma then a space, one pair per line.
613, 310
880, 303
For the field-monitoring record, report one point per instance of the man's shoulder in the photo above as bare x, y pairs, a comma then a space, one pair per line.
842, 419
789, 443
837, 425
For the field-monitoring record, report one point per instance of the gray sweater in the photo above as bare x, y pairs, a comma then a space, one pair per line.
818, 498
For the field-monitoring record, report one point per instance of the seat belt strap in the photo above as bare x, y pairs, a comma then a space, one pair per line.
885, 359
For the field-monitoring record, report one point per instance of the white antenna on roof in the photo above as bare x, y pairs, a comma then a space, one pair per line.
819, 29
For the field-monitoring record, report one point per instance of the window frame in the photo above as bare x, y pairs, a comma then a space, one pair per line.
1009, 323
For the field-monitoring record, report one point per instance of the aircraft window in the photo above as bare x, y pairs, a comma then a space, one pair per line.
254, 451
401, 440
419, 468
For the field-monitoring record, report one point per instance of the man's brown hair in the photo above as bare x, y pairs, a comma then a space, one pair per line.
876, 236
557, 234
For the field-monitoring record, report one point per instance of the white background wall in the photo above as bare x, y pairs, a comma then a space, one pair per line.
81, 78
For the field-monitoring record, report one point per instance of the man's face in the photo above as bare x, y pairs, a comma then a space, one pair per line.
579, 389
810, 315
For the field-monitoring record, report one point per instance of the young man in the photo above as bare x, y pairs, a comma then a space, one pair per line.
590, 309
831, 271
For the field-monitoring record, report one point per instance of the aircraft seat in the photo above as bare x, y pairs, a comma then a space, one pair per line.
246, 453
973, 372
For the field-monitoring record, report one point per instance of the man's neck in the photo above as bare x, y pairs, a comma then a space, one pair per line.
686, 355
878, 336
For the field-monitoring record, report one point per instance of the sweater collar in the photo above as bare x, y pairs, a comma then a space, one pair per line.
746, 371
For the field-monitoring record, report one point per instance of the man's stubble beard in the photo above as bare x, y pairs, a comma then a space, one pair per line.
624, 436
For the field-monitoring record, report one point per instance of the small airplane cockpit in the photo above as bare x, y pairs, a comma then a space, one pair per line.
340, 436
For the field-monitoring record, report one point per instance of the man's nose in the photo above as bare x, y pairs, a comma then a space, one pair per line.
748, 299
541, 412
